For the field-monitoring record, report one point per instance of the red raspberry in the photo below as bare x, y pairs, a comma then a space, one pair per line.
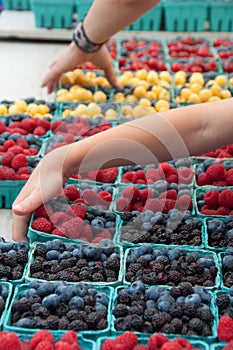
140, 175
9, 341
8, 144
7, 158
71, 192
40, 336
58, 218
203, 179
216, 172
26, 345
58, 125
90, 196
138, 206
10, 174
129, 339
16, 150
109, 175
22, 142
212, 198
14, 125
43, 211
44, 123
168, 204
153, 174
61, 345
229, 346
222, 211
73, 227
17, 130
131, 193
123, 204
104, 197
108, 344
145, 194
184, 202
207, 211
19, 161
87, 233
23, 171
127, 177
229, 177
184, 343
173, 178
141, 182
69, 138
219, 183
170, 345
30, 152
2, 127
69, 337
165, 169
185, 175
170, 194
226, 198
81, 201
223, 154
2, 173
58, 232
42, 224
225, 328
76, 210
140, 347
154, 205
156, 341
44, 345
29, 124
39, 131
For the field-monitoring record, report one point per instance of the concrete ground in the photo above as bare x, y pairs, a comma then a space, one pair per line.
25, 54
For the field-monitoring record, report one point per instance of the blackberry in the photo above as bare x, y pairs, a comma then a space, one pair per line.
223, 301
15, 317
136, 322
21, 305
35, 299
159, 320
149, 313
67, 275
38, 275
85, 274
176, 310
156, 266
142, 261
36, 266
77, 325
204, 314
102, 324
175, 292
147, 327
111, 274
196, 325
52, 322
228, 312
141, 237
47, 266
16, 275
113, 264
137, 309
127, 216
134, 267
82, 263
189, 309
177, 324
22, 257
40, 250
168, 328
150, 278
162, 278
175, 276
89, 300
66, 263
42, 312
120, 310
206, 331
89, 308
122, 323
39, 322
199, 269
62, 309
138, 295
98, 277
186, 288
92, 319
124, 297
9, 260
208, 283
63, 323
185, 329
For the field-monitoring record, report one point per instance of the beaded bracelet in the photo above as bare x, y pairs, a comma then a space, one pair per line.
82, 42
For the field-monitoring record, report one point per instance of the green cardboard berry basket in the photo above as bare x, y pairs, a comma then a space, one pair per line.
39, 236
9, 190
207, 245
204, 190
207, 339
90, 334
203, 252
150, 21
17, 5
85, 344
218, 346
82, 7
143, 341
118, 249
183, 15
53, 13
220, 15
127, 244
9, 287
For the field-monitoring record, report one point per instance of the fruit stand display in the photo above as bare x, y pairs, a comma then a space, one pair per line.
133, 257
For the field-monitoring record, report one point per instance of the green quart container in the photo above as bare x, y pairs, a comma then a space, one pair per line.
221, 15
185, 16
53, 13
149, 21
16, 5
82, 7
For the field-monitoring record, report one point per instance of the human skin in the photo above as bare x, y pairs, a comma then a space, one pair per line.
173, 134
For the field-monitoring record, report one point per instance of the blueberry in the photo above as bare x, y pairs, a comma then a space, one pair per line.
64, 255
147, 215
152, 293
91, 252
92, 291
173, 186
229, 233
80, 289
97, 223
51, 301
145, 248
25, 322
55, 244
174, 254
107, 246
163, 306
101, 298
136, 286
76, 303
180, 299
5, 247
52, 255
158, 218
203, 293
229, 251
216, 225
34, 284
131, 259
45, 288
146, 226
206, 262
12, 252
193, 298
22, 245
109, 225
29, 292
160, 186
65, 293
175, 215
150, 304
226, 260
100, 307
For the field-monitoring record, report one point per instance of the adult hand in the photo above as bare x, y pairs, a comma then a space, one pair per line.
71, 58
44, 183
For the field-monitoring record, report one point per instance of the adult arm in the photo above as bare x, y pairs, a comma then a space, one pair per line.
104, 19
155, 138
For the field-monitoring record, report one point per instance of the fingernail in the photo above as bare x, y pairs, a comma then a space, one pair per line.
19, 207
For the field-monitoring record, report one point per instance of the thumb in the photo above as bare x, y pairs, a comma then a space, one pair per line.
27, 206
111, 76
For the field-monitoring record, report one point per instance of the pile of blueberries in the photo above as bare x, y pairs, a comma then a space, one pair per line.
4, 293
185, 309
13, 259
178, 228
59, 260
227, 267
220, 232
58, 306
171, 267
